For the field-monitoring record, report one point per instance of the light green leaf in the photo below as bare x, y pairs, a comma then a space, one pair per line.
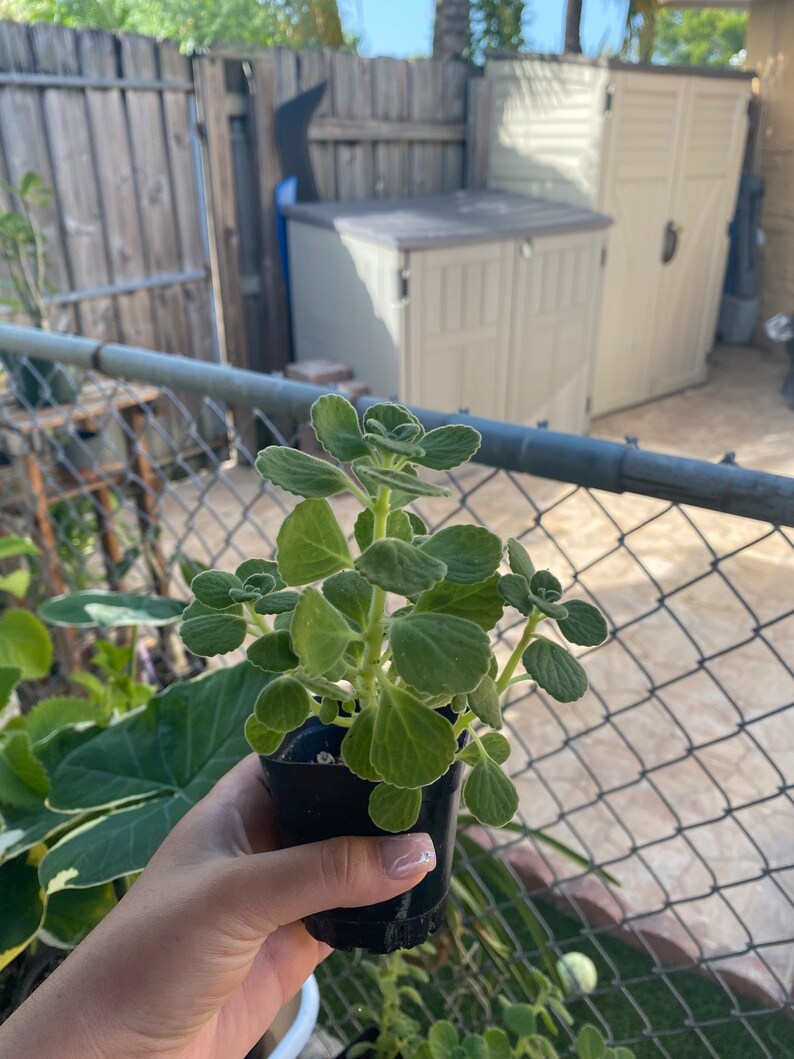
72, 914
329, 710
24, 644
480, 603
474, 1047
398, 525
392, 416
394, 808
283, 621
589, 1043
514, 589
22, 907
519, 560
283, 705
16, 583
471, 553
320, 634
311, 544
250, 567
520, 1019
545, 585
189, 566
439, 653
418, 527
449, 446
496, 746
484, 702
498, 1043
407, 485
350, 594
336, 425
13, 545
299, 473
277, 603
555, 670
110, 609
585, 624
556, 611
10, 676
51, 715
212, 588
442, 1039
273, 653
261, 739
393, 446
23, 780
412, 744
398, 566
357, 746
489, 794
209, 632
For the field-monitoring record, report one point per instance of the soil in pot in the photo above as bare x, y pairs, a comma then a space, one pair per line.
317, 801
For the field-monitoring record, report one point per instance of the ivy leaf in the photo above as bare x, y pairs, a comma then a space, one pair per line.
545, 585
336, 425
480, 603
311, 544
412, 745
407, 485
585, 624
299, 473
320, 634
514, 589
394, 808
484, 703
391, 416
357, 746
261, 739
496, 746
25, 644
490, 796
208, 632
273, 653
439, 653
351, 594
250, 567
555, 670
471, 553
277, 603
398, 566
212, 588
448, 447
283, 705
519, 560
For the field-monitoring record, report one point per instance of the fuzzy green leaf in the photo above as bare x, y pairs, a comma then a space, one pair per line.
590, 1043
249, 567
329, 710
398, 525
412, 744
261, 739
418, 527
520, 1019
556, 611
273, 653
277, 603
299, 473
471, 553
391, 416
449, 446
545, 585
484, 703
243, 595
519, 560
407, 485
585, 625
212, 632
394, 808
498, 1043
336, 425
474, 1046
357, 746
480, 603
555, 670
212, 588
439, 653
283, 621
393, 446
496, 746
351, 594
489, 794
442, 1039
283, 705
311, 544
261, 584
110, 610
320, 634
25, 644
514, 590
400, 567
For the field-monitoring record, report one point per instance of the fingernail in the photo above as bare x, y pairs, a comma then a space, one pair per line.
406, 855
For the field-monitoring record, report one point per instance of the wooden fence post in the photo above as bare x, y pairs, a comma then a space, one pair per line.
479, 99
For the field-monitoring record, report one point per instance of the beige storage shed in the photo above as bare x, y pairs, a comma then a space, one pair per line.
484, 301
658, 149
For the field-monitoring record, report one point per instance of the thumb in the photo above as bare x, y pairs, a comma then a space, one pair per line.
273, 889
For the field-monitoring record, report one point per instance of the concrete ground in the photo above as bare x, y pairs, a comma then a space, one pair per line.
675, 769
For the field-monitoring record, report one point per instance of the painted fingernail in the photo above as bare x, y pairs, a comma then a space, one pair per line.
406, 855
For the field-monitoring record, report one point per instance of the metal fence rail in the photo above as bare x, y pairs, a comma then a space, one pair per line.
674, 773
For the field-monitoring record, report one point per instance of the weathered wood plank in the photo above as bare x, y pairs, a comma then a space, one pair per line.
353, 130
390, 103
425, 79
314, 66
352, 98
478, 132
455, 77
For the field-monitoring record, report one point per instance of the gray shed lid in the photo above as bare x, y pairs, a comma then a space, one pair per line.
447, 220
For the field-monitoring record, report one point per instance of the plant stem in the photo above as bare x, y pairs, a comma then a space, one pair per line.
134, 654
535, 619
462, 722
374, 637
257, 619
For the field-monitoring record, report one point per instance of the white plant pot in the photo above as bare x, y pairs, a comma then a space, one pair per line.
294, 1024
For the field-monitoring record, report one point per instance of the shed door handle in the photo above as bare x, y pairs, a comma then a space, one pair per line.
670, 244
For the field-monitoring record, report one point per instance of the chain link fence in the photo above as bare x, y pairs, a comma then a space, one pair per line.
673, 774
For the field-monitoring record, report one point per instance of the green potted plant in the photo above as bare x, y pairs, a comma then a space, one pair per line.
386, 675
23, 247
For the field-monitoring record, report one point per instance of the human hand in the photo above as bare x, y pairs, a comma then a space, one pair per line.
203, 951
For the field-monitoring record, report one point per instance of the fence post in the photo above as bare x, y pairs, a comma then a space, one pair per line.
277, 327
479, 96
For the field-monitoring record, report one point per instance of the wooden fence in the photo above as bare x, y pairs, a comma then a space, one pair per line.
162, 229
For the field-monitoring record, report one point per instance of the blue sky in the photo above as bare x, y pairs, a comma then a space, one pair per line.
405, 27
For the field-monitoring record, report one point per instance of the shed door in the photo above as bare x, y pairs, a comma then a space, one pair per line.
459, 312
709, 162
556, 297
637, 188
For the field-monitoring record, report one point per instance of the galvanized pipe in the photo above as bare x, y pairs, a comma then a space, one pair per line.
130, 286
572, 458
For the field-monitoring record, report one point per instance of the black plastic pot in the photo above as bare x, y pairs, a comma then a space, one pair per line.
314, 802
39, 383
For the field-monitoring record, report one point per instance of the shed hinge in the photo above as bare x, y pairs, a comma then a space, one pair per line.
603, 256
403, 276
608, 97
588, 405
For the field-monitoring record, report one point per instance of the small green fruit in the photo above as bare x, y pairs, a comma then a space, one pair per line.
577, 973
